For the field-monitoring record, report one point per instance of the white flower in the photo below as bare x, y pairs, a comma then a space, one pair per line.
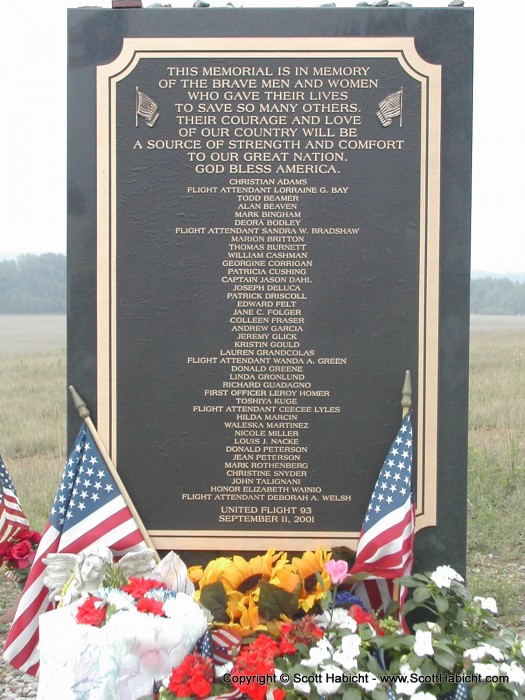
279, 675
444, 575
487, 603
118, 598
433, 627
328, 685
301, 687
340, 618
368, 681
189, 616
514, 671
523, 647
222, 669
343, 620
421, 695
478, 653
407, 687
348, 652
486, 670
322, 651
423, 643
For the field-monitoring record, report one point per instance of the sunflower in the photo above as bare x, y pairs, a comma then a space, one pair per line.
243, 577
249, 619
195, 573
211, 574
307, 566
287, 578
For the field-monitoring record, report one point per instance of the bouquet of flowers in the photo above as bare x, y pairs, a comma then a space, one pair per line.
117, 640
247, 595
142, 595
17, 554
456, 650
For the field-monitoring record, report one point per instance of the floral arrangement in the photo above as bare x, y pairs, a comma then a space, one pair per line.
247, 595
17, 554
456, 649
139, 594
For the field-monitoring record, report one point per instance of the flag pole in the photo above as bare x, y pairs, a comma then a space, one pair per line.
401, 110
406, 404
406, 394
84, 413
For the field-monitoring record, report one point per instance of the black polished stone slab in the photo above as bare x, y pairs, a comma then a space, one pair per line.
191, 394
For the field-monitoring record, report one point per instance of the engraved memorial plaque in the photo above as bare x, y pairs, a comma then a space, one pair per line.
268, 224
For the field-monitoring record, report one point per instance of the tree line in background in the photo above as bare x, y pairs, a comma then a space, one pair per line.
36, 284
497, 296
33, 284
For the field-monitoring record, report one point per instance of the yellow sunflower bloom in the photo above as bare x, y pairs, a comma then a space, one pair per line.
287, 578
307, 566
249, 620
195, 573
214, 571
243, 576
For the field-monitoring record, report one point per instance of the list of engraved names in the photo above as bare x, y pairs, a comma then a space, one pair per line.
279, 147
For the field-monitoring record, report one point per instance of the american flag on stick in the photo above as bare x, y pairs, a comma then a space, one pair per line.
391, 107
12, 518
146, 108
88, 509
385, 550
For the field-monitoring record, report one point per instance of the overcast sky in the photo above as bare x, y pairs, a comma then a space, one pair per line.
33, 124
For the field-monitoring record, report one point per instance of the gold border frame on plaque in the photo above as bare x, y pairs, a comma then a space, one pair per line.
428, 75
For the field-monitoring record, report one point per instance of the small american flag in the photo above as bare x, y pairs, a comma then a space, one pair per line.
12, 518
390, 107
461, 693
147, 108
385, 550
225, 645
221, 646
88, 509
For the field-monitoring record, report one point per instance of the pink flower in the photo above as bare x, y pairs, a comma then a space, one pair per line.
337, 570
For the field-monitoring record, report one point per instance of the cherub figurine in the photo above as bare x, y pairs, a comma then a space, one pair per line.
70, 576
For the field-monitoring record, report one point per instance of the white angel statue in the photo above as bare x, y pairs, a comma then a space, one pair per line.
70, 576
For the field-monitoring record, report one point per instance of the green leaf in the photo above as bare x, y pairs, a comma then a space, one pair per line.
421, 594
344, 553
414, 661
407, 581
352, 693
409, 606
445, 659
480, 691
214, 598
379, 694
441, 604
274, 601
320, 581
428, 667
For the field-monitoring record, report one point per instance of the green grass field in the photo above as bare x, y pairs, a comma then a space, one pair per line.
33, 443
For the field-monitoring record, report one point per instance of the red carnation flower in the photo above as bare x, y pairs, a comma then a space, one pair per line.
150, 605
92, 612
138, 587
200, 686
303, 631
363, 617
360, 615
194, 676
255, 661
